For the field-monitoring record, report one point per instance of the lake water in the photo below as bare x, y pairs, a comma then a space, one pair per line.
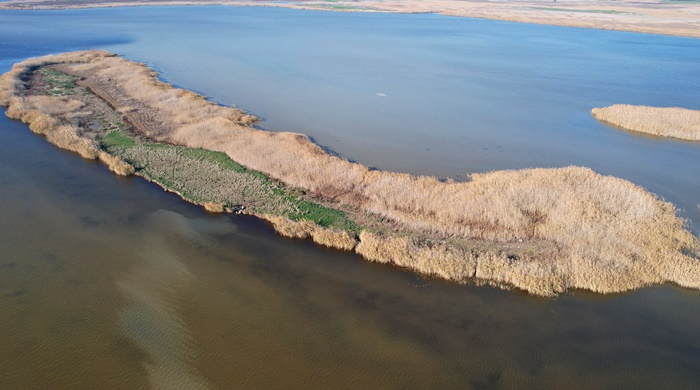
110, 282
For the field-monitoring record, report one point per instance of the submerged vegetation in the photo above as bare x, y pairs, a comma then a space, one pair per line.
674, 122
542, 230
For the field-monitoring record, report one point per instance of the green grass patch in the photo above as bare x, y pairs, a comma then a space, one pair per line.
117, 139
155, 167
323, 216
58, 83
222, 160
219, 158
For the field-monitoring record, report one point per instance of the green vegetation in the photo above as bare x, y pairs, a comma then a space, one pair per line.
116, 139
221, 160
321, 215
201, 175
59, 83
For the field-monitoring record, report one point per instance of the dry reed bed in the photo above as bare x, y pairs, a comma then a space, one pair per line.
547, 230
51, 116
40, 113
672, 122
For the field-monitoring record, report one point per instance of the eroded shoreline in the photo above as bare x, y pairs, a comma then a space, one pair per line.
664, 17
541, 230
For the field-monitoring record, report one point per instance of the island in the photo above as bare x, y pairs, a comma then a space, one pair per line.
674, 122
544, 231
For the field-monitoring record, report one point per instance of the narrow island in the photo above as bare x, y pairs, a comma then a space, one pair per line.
674, 122
544, 231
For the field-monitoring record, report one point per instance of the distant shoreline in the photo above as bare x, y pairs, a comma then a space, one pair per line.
676, 18
545, 231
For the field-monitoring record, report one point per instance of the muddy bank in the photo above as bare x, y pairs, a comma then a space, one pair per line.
541, 230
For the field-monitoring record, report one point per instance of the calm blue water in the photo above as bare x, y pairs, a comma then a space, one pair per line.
203, 299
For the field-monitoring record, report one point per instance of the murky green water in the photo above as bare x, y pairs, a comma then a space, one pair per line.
108, 282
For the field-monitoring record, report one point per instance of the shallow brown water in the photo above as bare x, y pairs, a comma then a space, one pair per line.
112, 283
108, 282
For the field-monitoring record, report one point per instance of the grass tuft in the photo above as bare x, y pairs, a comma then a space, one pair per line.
323, 216
117, 139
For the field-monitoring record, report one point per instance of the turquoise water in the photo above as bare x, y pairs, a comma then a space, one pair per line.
109, 282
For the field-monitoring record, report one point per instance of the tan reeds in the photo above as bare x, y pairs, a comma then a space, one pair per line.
46, 114
116, 164
434, 258
213, 207
590, 231
64, 136
672, 122
13, 83
307, 229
